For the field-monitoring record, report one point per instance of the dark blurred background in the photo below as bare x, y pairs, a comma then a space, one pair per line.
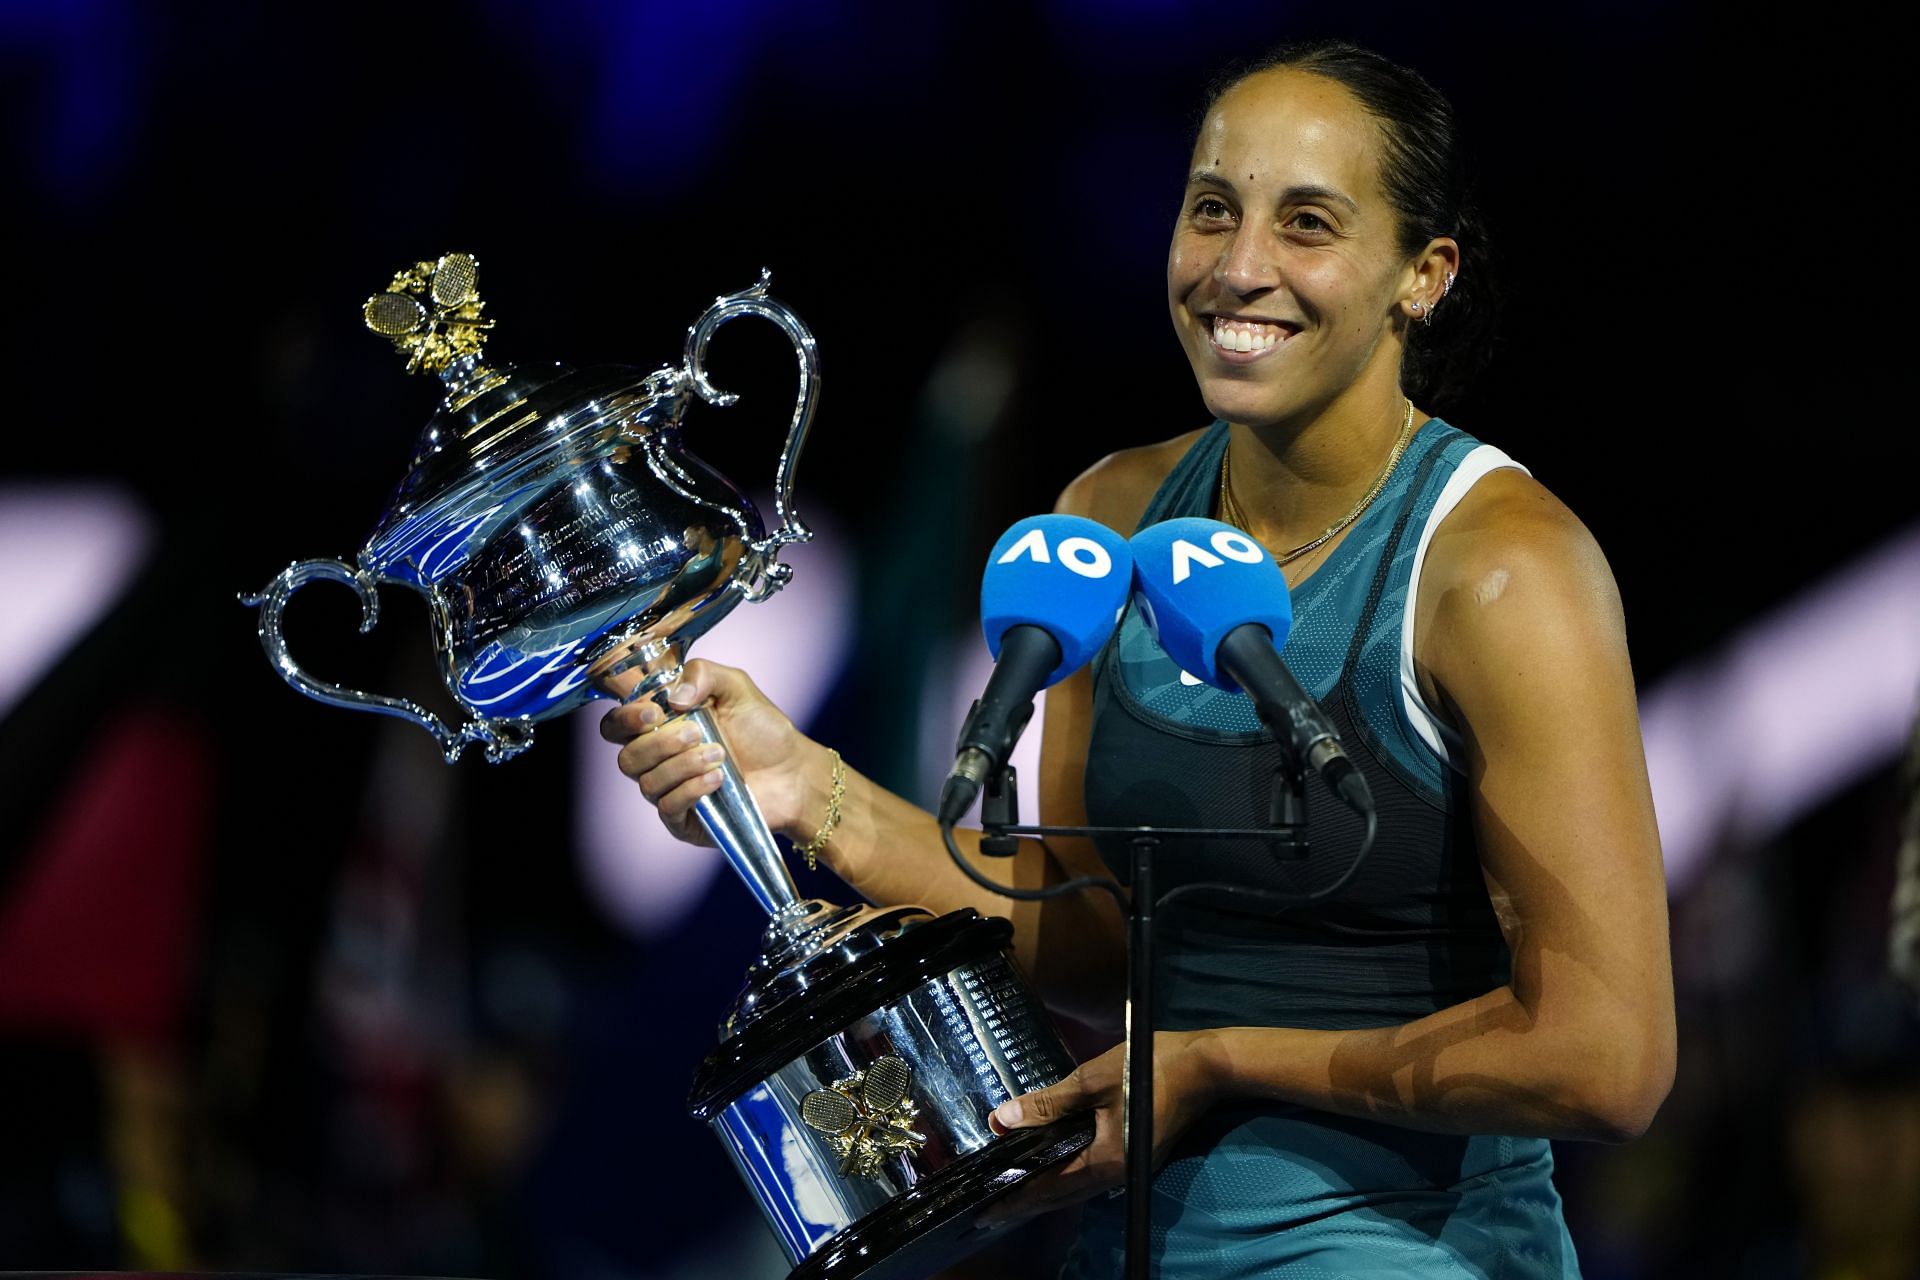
279, 990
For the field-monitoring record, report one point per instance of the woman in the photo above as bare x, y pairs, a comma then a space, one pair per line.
1366, 1087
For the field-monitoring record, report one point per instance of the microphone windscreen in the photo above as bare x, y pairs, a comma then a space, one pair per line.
1196, 580
1066, 574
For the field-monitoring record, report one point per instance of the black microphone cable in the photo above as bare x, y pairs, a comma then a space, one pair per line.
1272, 897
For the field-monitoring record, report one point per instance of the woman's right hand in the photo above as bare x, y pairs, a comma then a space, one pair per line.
665, 755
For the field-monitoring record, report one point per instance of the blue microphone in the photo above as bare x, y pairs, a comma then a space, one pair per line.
1050, 597
1219, 606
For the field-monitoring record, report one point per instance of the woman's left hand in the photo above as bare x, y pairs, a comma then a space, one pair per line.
1183, 1088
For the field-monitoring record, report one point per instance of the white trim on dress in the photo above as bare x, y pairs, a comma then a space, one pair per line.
1442, 738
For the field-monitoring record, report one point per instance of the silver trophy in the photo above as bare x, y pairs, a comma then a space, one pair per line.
569, 547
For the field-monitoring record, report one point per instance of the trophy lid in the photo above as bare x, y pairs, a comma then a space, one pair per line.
502, 436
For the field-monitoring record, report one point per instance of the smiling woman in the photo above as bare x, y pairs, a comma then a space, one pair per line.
1366, 1087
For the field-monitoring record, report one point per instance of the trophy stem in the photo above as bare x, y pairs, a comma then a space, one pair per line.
733, 818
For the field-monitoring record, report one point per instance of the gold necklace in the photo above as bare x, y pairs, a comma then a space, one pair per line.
1230, 510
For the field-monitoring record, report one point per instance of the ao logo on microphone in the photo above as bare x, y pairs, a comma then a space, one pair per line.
1196, 580
1024, 585
1083, 556
1229, 543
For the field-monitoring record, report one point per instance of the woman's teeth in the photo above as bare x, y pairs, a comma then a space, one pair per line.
1243, 335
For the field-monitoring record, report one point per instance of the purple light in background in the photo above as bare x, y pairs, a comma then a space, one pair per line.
66, 553
793, 645
1799, 705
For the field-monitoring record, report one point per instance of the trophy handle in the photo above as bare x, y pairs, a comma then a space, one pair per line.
503, 739
755, 302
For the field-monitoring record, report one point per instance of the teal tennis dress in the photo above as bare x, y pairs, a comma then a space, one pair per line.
1270, 1189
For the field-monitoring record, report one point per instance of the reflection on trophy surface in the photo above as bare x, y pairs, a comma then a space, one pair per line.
553, 519
568, 547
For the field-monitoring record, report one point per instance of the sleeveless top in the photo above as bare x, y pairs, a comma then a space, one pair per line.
1263, 1187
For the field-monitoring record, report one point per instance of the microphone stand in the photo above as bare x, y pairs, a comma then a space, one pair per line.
999, 818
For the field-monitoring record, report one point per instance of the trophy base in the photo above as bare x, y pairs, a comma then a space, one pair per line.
932, 1225
854, 1087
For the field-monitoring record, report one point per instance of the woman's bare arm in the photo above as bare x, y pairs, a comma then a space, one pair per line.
1521, 635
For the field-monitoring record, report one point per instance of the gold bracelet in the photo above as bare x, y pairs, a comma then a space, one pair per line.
811, 849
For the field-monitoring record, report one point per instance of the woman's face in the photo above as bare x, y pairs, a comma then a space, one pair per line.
1284, 273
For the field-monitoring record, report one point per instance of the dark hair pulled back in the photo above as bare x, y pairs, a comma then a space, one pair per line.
1427, 181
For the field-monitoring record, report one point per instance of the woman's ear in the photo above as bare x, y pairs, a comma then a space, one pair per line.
1430, 278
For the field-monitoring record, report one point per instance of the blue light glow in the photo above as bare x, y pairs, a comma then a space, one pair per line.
659, 78
83, 105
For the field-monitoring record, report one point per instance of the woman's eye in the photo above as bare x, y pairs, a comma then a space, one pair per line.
1309, 222
1211, 207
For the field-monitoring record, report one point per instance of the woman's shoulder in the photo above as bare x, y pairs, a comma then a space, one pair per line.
1508, 518
1511, 569
1116, 490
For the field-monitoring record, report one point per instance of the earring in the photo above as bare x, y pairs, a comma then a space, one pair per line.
1446, 286
1418, 308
